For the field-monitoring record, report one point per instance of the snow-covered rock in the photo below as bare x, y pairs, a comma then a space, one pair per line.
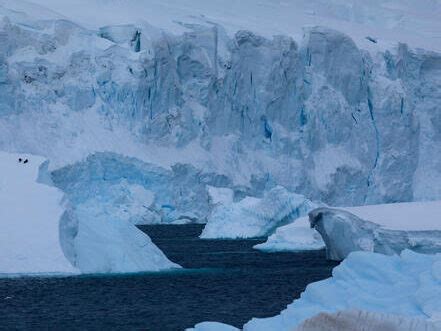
30, 215
386, 229
350, 320
408, 286
256, 217
296, 236
327, 114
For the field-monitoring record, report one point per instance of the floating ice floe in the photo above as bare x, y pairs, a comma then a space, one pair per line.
386, 229
256, 217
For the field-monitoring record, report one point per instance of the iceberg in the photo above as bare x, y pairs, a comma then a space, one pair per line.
29, 218
386, 229
296, 236
407, 286
256, 217
43, 233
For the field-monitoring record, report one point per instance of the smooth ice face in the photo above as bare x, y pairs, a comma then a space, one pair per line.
256, 217
297, 236
407, 286
318, 115
29, 220
390, 229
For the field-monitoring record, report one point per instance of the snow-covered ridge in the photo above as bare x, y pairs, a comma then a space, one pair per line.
318, 115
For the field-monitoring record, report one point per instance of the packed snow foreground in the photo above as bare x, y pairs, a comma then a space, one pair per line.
400, 291
42, 234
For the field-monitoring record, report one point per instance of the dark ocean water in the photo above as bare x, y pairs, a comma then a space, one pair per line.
227, 281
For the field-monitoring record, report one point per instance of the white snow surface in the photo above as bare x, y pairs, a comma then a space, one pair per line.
407, 285
296, 236
29, 220
256, 217
410, 216
387, 21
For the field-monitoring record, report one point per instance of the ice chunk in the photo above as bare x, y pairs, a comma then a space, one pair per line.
344, 232
212, 326
29, 219
297, 236
350, 320
256, 217
404, 286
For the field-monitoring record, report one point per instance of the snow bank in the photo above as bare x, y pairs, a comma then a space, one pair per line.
391, 229
407, 286
256, 217
297, 236
29, 220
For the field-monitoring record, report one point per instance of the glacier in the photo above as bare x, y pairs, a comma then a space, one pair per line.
43, 233
387, 229
328, 115
256, 217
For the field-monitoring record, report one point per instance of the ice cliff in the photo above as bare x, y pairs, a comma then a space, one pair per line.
318, 114
43, 234
388, 229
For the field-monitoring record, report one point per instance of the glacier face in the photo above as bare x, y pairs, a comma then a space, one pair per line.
344, 232
319, 116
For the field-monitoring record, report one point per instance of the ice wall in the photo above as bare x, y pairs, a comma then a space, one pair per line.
319, 116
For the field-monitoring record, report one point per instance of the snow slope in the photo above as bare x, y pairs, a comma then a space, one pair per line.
408, 285
29, 219
388, 21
